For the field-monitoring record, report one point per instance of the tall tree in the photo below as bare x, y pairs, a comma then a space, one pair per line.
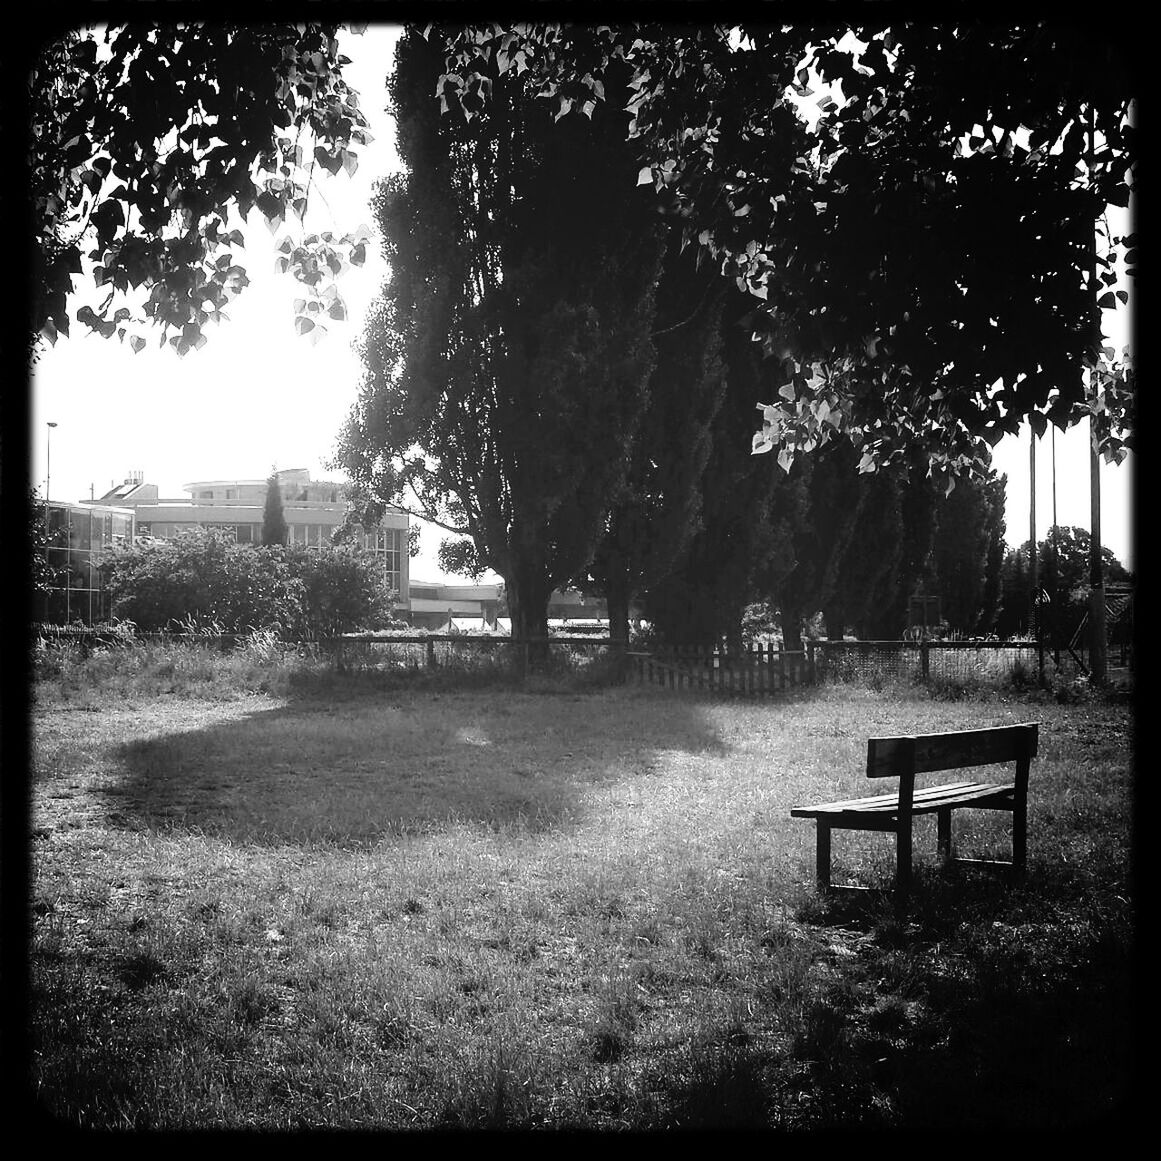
703, 597
966, 553
658, 509
822, 506
919, 497
274, 529
508, 360
870, 562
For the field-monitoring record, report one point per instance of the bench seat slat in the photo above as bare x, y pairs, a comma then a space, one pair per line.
925, 801
878, 799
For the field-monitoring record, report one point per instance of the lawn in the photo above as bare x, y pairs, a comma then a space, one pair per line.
413, 907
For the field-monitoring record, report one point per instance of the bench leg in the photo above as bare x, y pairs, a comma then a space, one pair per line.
1019, 839
822, 856
944, 822
903, 865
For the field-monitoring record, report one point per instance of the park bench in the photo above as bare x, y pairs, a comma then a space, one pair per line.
904, 758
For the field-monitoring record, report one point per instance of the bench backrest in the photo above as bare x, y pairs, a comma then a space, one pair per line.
895, 757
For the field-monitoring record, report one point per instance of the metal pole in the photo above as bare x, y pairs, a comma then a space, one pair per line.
1098, 660
1035, 565
1054, 620
47, 469
1098, 657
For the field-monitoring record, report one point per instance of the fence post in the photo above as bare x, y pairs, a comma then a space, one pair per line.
430, 653
924, 660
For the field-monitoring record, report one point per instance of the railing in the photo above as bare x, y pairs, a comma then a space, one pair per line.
925, 660
361, 651
754, 671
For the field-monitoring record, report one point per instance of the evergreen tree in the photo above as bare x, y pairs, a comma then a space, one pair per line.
703, 597
964, 560
821, 509
274, 530
658, 509
871, 560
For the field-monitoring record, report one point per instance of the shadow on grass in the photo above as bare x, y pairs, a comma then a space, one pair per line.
990, 1006
349, 767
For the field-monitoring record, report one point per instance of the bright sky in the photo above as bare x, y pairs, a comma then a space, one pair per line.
259, 396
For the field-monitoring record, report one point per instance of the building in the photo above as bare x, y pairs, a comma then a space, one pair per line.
314, 510
76, 535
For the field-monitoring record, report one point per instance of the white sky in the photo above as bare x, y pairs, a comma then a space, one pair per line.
258, 395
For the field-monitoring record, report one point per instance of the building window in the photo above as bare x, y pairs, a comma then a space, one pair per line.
231, 493
385, 542
207, 494
76, 538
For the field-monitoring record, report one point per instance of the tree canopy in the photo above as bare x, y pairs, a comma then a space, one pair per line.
148, 141
923, 257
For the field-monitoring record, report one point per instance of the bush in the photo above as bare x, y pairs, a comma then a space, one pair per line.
343, 590
201, 579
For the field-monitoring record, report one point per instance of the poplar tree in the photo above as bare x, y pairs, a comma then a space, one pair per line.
274, 529
508, 358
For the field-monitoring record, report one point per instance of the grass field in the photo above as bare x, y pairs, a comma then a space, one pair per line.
406, 907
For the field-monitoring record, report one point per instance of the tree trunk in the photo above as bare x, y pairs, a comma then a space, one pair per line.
791, 620
617, 601
528, 608
835, 622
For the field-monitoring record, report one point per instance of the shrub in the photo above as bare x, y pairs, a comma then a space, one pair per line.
201, 580
343, 590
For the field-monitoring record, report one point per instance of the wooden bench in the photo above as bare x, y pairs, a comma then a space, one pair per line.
904, 758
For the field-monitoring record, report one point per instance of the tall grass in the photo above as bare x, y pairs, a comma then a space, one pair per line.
344, 904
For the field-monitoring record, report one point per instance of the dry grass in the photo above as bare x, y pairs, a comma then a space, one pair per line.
554, 909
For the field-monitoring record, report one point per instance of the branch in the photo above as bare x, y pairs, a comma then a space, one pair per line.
423, 514
686, 321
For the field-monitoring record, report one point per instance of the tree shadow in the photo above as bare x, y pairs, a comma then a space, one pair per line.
352, 770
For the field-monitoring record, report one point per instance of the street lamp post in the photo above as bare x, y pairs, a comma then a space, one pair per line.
47, 470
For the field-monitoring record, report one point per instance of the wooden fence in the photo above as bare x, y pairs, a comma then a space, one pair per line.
756, 671
978, 660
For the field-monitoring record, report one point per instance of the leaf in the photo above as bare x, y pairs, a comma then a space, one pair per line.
1107, 301
645, 175
136, 343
